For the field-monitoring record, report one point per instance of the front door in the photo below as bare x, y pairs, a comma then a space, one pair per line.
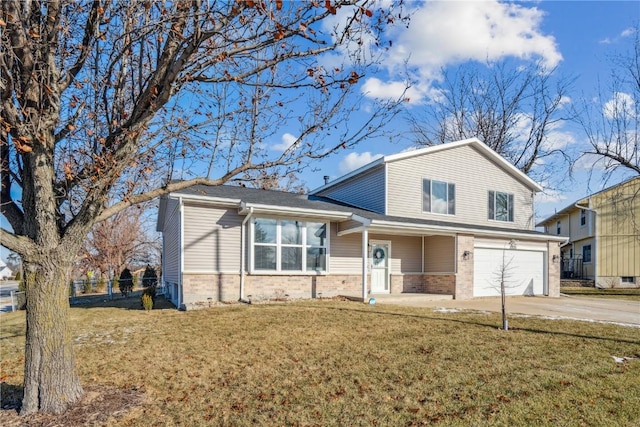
380, 267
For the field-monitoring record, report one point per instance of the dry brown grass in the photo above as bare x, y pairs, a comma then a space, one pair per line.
344, 363
632, 294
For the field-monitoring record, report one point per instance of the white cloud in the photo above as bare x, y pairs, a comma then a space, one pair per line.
376, 88
287, 141
353, 161
620, 105
628, 32
444, 33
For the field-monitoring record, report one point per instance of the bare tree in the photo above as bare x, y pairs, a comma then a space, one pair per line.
119, 241
104, 103
612, 123
511, 110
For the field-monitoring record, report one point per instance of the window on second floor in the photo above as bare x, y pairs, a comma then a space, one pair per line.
558, 228
586, 253
500, 206
583, 217
438, 197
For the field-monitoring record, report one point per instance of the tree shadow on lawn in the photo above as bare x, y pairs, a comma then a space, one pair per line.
130, 302
479, 323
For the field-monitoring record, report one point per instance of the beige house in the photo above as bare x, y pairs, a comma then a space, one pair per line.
603, 232
447, 219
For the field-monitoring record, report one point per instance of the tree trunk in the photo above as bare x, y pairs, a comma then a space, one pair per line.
51, 383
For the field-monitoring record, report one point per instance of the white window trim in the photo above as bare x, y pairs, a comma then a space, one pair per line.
431, 180
586, 218
278, 271
513, 208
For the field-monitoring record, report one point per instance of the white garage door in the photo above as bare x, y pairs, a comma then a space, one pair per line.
524, 272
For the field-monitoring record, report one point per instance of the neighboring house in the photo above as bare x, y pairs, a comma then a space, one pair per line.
442, 219
5, 272
603, 232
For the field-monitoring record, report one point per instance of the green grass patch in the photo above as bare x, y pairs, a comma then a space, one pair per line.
632, 294
330, 363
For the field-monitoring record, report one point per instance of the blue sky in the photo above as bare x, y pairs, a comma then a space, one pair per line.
576, 36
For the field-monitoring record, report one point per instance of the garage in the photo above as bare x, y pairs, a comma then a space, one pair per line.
524, 272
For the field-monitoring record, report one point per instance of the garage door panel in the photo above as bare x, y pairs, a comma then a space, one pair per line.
523, 272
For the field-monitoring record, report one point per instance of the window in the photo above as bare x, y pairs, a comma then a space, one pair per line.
586, 253
558, 228
500, 206
583, 217
438, 197
289, 245
628, 279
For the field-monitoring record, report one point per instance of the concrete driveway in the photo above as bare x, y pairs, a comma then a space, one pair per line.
590, 309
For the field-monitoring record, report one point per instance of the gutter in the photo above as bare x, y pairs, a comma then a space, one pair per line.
243, 235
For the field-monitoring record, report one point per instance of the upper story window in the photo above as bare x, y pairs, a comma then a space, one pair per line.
289, 245
558, 227
583, 217
500, 206
438, 197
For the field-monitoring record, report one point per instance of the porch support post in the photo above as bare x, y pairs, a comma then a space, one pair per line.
365, 244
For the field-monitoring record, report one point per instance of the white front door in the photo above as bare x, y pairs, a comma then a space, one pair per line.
380, 267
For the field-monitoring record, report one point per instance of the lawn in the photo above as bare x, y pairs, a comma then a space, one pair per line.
632, 294
340, 363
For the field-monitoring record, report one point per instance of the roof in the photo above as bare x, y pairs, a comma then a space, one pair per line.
572, 207
474, 142
279, 202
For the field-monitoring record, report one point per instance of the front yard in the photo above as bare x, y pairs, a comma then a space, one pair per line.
343, 363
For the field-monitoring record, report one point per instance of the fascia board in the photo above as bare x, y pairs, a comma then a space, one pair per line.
302, 212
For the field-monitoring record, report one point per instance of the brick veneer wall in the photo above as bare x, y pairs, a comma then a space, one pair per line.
464, 276
200, 289
553, 277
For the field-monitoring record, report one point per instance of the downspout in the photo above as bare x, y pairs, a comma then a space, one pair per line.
180, 290
365, 250
242, 254
592, 228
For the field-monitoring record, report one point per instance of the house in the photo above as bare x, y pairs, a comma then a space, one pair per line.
5, 272
603, 231
446, 219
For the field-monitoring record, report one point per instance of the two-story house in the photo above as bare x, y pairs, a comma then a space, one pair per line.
453, 219
603, 236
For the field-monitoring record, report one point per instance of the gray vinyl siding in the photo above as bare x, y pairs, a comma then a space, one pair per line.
345, 253
472, 173
211, 239
171, 240
365, 191
405, 252
439, 254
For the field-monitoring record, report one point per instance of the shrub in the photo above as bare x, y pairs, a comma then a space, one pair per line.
148, 297
147, 302
86, 287
125, 282
149, 278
